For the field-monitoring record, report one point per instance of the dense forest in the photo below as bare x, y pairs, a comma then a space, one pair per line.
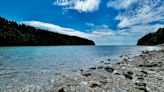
153, 38
13, 34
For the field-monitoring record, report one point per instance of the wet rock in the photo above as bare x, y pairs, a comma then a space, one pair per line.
141, 55
160, 62
144, 72
124, 60
139, 90
150, 65
61, 90
118, 63
140, 78
141, 87
145, 52
86, 74
109, 69
116, 72
141, 84
94, 85
130, 72
68, 85
72, 85
128, 75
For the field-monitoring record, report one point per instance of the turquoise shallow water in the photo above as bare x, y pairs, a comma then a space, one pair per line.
26, 65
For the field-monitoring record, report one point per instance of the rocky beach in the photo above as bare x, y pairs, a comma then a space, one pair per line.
131, 73
143, 73
82, 46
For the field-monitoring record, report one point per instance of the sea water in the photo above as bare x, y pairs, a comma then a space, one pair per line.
20, 66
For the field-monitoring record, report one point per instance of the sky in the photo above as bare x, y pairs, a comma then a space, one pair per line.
106, 22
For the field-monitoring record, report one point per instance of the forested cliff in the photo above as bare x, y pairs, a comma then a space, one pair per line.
153, 38
13, 34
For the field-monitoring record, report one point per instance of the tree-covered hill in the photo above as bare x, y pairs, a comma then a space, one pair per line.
153, 38
13, 34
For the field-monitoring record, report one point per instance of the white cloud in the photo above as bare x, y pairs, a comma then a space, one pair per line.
79, 5
138, 12
56, 28
136, 18
101, 34
120, 4
144, 29
97, 33
127, 36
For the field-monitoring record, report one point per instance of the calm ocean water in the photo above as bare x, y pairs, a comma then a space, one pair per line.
26, 65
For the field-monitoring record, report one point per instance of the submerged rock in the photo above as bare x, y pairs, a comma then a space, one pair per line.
109, 59
102, 61
99, 67
92, 68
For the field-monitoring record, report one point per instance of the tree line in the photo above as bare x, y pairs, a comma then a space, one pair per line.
14, 34
153, 38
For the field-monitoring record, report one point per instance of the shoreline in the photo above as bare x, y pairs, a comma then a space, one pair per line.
142, 73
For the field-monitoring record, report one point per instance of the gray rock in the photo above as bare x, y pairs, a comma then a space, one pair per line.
61, 90
109, 69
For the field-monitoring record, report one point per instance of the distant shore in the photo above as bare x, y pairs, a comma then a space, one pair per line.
143, 73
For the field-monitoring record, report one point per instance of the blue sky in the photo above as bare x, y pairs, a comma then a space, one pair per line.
107, 22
